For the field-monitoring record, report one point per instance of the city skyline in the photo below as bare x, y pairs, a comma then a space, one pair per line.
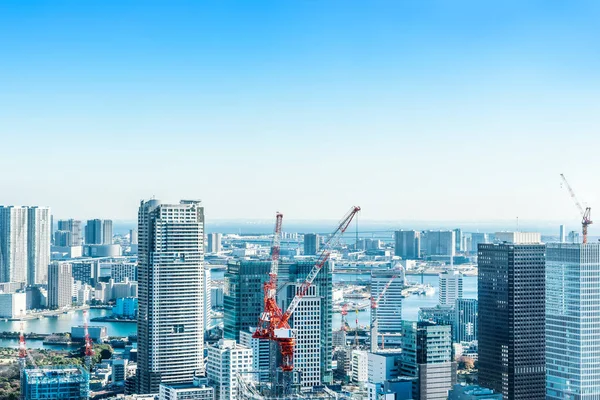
417, 110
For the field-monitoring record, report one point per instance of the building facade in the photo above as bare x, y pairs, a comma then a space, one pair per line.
60, 285
311, 244
465, 320
427, 355
39, 236
407, 244
107, 231
213, 242
65, 383
438, 243
243, 295
226, 360
13, 244
511, 319
572, 321
73, 226
93, 231
451, 287
389, 309
170, 298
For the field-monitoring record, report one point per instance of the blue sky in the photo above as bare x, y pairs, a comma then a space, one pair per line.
415, 110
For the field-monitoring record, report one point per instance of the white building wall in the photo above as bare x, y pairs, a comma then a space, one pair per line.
360, 366
519, 237
225, 360
451, 287
13, 244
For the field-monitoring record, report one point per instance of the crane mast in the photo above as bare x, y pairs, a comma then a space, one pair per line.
585, 212
263, 330
89, 347
374, 305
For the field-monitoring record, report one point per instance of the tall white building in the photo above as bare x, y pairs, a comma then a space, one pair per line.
170, 293
389, 308
60, 285
562, 234
13, 244
39, 233
225, 360
213, 242
360, 366
451, 287
25, 235
306, 321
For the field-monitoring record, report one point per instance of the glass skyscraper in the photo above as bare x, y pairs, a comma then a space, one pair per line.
573, 321
511, 320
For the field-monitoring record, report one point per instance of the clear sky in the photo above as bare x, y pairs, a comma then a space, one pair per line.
414, 110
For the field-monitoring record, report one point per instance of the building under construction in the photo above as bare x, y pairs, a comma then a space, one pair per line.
57, 382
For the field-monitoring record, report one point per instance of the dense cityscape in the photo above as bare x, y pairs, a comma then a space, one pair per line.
333, 200
293, 314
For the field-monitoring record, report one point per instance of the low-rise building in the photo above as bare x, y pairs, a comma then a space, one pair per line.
55, 382
126, 307
97, 333
199, 389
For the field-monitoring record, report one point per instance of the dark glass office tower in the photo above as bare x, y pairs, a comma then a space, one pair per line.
511, 318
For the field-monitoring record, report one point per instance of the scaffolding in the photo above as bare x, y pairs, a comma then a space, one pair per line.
67, 382
248, 389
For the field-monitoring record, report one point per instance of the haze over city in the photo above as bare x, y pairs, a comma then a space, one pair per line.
428, 111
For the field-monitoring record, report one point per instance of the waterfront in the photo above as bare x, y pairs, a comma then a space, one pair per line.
410, 305
64, 322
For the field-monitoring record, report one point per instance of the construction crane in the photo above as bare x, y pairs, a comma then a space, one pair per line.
270, 287
374, 305
89, 346
278, 329
585, 213
22, 349
356, 330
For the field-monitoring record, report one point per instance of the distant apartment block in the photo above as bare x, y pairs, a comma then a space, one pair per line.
407, 244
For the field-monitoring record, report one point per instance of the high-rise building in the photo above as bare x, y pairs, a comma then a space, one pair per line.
476, 239
73, 226
573, 237
60, 285
133, 236
107, 231
63, 238
458, 240
226, 360
170, 307
93, 231
64, 382
312, 320
311, 244
38, 245
243, 295
427, 354
511, 319
572, 318
213, 241
451, 287
441, 315
389, 309
407, 244
465, 320
562, 235
13, 244
438, 243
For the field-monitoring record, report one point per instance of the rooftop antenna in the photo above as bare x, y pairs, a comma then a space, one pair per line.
518, 224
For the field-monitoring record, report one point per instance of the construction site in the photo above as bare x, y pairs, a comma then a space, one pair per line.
274, 327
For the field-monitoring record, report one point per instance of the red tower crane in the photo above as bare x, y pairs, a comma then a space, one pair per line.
270, 287
374, 305
278, 328
344, 313
585, 213
89, 346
